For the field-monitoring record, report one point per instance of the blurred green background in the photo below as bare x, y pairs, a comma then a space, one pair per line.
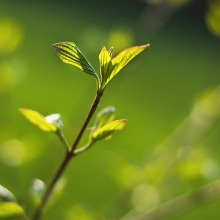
169, 95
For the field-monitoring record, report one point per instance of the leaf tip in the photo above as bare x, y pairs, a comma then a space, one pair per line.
55, 47
124, 120
145, 46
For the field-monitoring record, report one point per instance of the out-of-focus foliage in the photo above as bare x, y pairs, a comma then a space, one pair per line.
213, 17
9, 209
12, 70
120, 38
170, 96
11, 37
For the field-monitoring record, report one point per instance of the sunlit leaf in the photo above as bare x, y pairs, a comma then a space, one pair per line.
105, 116
123, 58
55, 119
10, 210
108, 130
105, 64
6, 195
111, 52
39, 120
121, 37
69, 53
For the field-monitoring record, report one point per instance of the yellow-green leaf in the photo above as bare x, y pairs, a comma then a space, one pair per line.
69, 53
10, 210
108, 130
39, 120
105, 64
105, 116
123, 58
111, 52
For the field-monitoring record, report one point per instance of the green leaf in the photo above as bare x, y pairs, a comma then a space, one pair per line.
10, 210
111, 52
105, 116
105, 64
108, 130
49, 124
69, 53
122, 59
6, 195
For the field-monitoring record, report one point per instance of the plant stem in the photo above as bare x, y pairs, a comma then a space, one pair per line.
69, 155
89, 116
57, 175
82, 149
63, 139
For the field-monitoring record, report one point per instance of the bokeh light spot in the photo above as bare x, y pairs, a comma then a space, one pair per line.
120, 38
213, 17
145, 197
210, 169
11, 73
11, 36
7, 77
78, 212
12, 152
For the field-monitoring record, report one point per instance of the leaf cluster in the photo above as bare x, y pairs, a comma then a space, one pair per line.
104, 127
110, 66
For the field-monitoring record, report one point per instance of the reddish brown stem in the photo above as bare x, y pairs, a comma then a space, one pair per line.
69, 155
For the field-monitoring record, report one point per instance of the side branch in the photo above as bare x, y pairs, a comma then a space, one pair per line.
180, 205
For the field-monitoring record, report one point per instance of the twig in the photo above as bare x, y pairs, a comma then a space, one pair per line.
63, 139
69, 155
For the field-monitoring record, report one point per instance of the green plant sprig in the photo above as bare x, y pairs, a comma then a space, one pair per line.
104, 127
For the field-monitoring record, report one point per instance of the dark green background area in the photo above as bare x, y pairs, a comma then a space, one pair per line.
155, 92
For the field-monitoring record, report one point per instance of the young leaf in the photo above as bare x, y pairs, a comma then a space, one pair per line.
108, 130
105, 116
6, 195
44, 123
123, 58
111, 52
69, 53
10, 210
37, 189
105, 64
55, 119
